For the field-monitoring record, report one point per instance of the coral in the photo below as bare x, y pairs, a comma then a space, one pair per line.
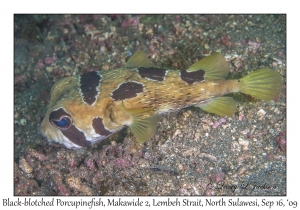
225, 40
217, 124
130, 21
76, 184
217, 177
26, 167
281, 140
253, 46
23, 184
20, 79
50, 59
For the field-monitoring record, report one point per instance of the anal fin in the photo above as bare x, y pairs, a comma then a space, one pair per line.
223, 106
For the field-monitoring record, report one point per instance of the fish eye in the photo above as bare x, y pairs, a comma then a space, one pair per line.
63, 123
60, 120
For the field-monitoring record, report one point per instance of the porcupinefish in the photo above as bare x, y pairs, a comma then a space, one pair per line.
88, 108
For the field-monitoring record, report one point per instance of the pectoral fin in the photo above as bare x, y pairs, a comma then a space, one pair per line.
143, 124
223, 106
144, 128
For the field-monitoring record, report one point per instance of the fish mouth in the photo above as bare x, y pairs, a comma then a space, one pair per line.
60, 145
55, 140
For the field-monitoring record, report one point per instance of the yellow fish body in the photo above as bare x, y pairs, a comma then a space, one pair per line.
88, 108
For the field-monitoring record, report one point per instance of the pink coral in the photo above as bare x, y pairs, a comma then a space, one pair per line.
241, 117
90, 164
217, 177
72, 163
40, 64
177, 18
253, 46
121, 163
37, 155
63, 190
217, 124
280, 53
281, 140
49, 60
132, 21
19, 78
225, 40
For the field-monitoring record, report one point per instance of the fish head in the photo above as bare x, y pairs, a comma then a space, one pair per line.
73, 123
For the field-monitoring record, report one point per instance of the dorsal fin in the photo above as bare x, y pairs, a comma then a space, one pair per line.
215, 66
144, 124
138, 59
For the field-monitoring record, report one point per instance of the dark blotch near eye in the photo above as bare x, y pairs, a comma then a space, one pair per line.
76, 136
60, 119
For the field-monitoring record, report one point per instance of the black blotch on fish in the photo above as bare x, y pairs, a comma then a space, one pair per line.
191, 77
76, 136
152, 73
56, 114
88, 86
127, 90
99, 127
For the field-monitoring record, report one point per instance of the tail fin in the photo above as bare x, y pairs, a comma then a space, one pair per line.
262, 84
